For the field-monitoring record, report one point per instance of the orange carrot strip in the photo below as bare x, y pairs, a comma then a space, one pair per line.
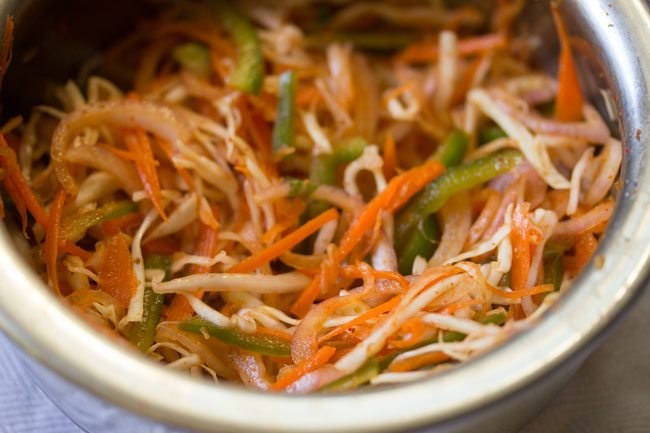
570, 100
275, 333
390, 156
419, 361
307, 95
398, 192
318, 360
21, 190
115, 272
180, 308
169, 153
112, 227
414, 329
138, 143
362, 318
165, 246
519, 237
428, 51
52, 238
285, 244
75, 250
355, 272
258, 128
584, 248
518, 294
451, 309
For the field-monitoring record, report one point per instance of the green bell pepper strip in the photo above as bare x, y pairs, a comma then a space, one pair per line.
142, 333
489, 134
495, 319
193, 57
364, 374
258, 343
300, 187
284, 130
248, 75
454, 180
324, 168
452, 150
370, 41
74, 226
423, 241
553, 270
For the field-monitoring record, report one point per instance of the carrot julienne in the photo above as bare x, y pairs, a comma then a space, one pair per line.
362, 318
322, 356
17, 187
521, 293
520, 248
52, 239
115, 272
570, 100
140, 150
419, 361
122, 223
71, 248
398, 191
285, 244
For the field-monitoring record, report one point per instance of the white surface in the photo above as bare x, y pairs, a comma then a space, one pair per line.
610, 393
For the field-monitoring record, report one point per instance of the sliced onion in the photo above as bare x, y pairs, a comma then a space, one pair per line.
102, 159
447, 70
602, 184
484, 218
408, 307
184, 214
289, 282
125, 114
534, 89
136, 303
305, 338
509, 197
168, 332
338, 198
576, 180
595, 217
532, 149
95, 186
251, 369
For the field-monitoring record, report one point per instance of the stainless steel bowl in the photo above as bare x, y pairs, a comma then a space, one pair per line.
106, 388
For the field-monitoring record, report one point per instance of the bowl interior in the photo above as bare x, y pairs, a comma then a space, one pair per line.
54, 38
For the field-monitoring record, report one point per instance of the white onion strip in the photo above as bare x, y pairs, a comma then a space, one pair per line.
532, 149
576, 179
289, 282
483, 247
403, 312
136, 304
